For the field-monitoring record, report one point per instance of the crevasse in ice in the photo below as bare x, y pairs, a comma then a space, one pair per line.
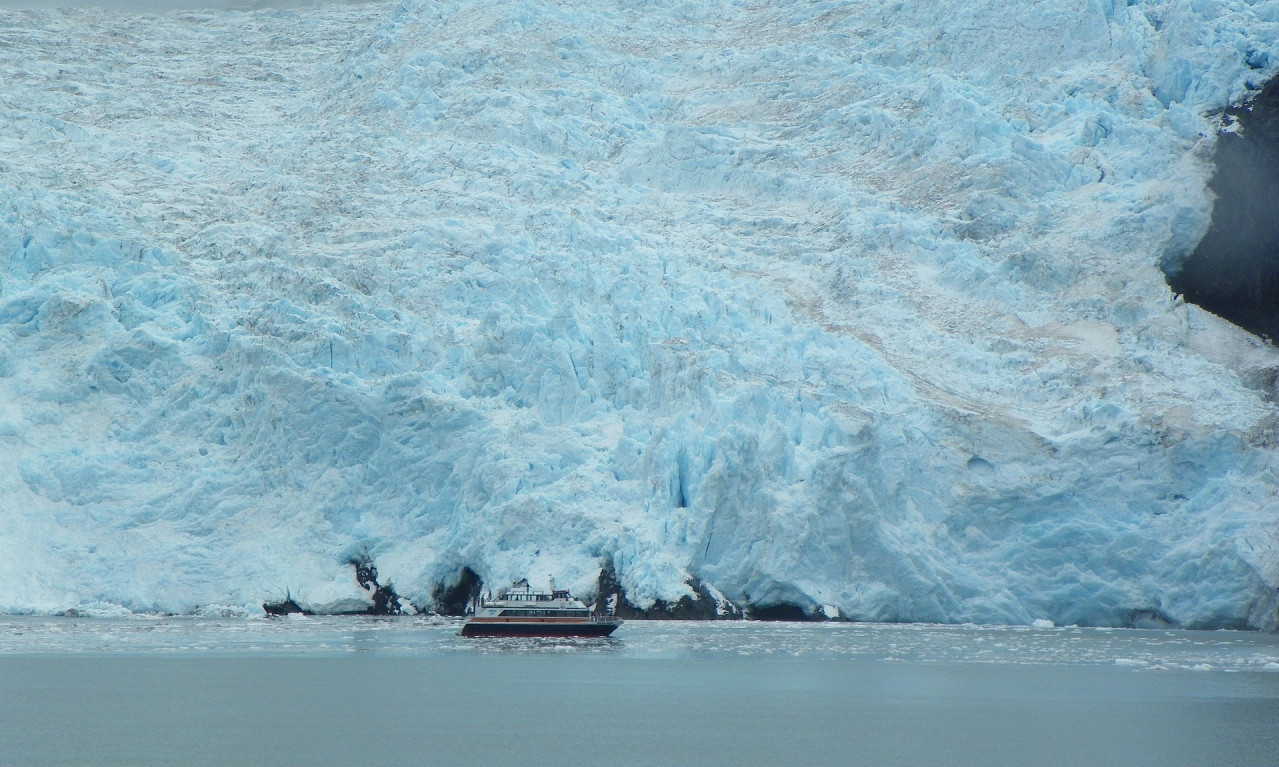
855, 306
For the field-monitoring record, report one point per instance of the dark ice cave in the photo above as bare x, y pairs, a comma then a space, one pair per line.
1234, 272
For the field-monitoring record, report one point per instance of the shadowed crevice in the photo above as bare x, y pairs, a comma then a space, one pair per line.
1234, 272
455, 599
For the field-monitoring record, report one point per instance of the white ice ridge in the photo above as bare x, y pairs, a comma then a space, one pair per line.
855, 306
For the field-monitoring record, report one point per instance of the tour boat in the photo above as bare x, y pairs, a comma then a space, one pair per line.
521, 612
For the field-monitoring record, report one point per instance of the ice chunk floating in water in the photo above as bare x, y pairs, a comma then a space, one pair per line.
851, 308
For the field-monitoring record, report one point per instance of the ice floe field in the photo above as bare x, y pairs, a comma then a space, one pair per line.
852, 306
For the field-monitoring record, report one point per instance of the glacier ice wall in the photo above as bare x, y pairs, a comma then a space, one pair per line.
851, 305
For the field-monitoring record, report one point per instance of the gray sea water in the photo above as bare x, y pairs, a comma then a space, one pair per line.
409, 691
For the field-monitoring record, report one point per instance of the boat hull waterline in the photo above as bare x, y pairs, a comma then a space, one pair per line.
520, 629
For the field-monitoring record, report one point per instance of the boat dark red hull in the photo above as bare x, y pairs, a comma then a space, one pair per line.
475, 628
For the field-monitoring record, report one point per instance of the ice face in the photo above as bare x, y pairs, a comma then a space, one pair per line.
853, 307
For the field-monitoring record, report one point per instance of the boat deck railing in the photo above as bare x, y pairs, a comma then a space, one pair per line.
604, 618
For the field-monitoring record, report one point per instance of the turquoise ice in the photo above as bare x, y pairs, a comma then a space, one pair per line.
856, 306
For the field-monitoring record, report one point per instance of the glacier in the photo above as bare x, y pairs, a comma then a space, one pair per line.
852, 306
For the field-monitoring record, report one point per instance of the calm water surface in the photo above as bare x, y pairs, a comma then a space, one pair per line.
347, 691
